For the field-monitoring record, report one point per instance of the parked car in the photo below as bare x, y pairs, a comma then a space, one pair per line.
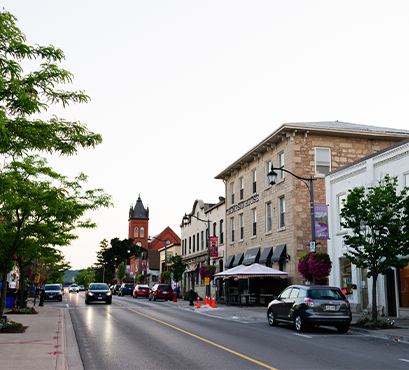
306, 306
141, 291
62, 289
125, 289
116, 288
161, 291
74, 288
53, 291
81, 288
98, 292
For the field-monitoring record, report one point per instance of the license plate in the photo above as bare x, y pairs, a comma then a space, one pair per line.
99, 297
51, 296
330, 308
165, 292
143, 290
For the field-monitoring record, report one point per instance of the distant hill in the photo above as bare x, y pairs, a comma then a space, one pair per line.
70, 275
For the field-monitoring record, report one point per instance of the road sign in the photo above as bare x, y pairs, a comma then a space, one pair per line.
207, 281
312, 247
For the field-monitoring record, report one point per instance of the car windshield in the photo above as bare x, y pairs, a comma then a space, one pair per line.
74, 286
143, 287
98, 287
326, 294
52, 287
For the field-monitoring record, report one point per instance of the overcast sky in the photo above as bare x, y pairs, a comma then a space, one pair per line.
181, 89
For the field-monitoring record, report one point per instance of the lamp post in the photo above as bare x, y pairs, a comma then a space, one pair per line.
272, 175
185, 221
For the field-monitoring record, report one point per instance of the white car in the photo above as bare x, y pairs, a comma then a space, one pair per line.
74, 288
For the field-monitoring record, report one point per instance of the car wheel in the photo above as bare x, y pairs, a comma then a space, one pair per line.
299, 323
271, 319
108, 302
86, 301
342, 328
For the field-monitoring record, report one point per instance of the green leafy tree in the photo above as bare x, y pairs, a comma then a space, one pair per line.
178, 267
165, 277
25, 95
41, 205
378, 219
85, 277
121, 271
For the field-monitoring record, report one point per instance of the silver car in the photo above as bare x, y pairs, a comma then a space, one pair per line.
74, 288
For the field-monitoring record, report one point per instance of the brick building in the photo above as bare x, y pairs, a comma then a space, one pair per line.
272, 224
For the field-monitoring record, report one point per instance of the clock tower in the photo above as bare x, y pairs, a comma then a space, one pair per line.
139, 224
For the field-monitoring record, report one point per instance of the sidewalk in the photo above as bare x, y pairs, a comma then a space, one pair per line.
41, 346
49, 336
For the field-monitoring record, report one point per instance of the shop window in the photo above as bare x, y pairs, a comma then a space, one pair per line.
346, 278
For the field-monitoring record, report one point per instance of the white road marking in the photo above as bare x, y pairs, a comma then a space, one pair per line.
402, 359
303, 335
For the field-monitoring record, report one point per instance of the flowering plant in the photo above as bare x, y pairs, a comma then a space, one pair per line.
315, 266
207, 271
26, 310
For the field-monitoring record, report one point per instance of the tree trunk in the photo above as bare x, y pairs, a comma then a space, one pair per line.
4, 273
21, 286
374, 303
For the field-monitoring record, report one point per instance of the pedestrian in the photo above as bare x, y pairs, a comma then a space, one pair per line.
12, 285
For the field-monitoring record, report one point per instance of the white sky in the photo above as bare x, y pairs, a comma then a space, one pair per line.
181, 89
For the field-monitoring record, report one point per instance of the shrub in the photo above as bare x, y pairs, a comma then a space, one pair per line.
315, 266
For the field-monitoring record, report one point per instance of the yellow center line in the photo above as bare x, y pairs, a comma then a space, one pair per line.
117, 304
205, 340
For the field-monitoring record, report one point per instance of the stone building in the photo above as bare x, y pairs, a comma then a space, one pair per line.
272, 224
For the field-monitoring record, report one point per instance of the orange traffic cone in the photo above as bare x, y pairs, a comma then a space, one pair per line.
198, 302
206, 301
213, 303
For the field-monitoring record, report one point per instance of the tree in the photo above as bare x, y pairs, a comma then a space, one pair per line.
378, 219
41, 207
121, 271
85, 276
178, 267
23, 95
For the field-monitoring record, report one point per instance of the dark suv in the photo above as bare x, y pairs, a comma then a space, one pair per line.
306, 306
53, 291
125, 289
115, 290
161, 291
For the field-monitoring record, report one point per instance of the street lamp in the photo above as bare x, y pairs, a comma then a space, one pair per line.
185, 221
272, 176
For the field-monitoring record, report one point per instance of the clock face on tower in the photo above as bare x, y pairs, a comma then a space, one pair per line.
138, 244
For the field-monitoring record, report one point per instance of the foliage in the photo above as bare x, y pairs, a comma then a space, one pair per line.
207, 271
24, 95
8, 324
121, 271
315, 267
85, 277
26, 310
366, 322
139, 278
178, 267
165, 277
378, 219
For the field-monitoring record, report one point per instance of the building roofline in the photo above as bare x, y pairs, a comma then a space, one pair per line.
330, 128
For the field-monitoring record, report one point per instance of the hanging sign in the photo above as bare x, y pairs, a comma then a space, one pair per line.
321, 221
143, 265
214, 246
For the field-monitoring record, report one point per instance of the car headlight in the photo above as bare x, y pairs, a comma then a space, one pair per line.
109, 293
91, 294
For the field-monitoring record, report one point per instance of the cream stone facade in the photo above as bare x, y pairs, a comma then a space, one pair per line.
277, 218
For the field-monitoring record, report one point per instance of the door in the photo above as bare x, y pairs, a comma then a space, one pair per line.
391, 293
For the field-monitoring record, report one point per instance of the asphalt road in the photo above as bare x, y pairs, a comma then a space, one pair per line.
138, 334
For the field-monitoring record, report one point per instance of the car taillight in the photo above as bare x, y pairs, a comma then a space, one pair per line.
309, 302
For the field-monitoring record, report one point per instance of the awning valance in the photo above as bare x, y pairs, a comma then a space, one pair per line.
238, 260
280, 253
229, 262
251, 256
252, 271
266, 255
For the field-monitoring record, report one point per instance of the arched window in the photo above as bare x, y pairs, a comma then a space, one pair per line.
135, 233
142, 232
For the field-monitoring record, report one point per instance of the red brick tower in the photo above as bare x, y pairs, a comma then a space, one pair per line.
139, 224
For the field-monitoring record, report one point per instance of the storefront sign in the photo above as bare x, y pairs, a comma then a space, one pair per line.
321, 221
214, 246
244, 203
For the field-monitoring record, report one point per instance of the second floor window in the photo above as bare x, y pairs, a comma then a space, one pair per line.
241, 227
221, 232
241, 188
269, 223
267, 169
202, 239
135, 232
214, 228
340, 199
280, 160
142, 232
190, 244
232, 193
322, 161
281, 209
194, 247
253, 182
232, 230
253, 222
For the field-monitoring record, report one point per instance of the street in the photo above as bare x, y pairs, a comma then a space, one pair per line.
137, 333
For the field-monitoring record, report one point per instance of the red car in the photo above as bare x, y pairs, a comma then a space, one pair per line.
141, 291
161, 291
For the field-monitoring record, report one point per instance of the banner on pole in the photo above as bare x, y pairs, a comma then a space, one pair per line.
214, 246
321, 221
